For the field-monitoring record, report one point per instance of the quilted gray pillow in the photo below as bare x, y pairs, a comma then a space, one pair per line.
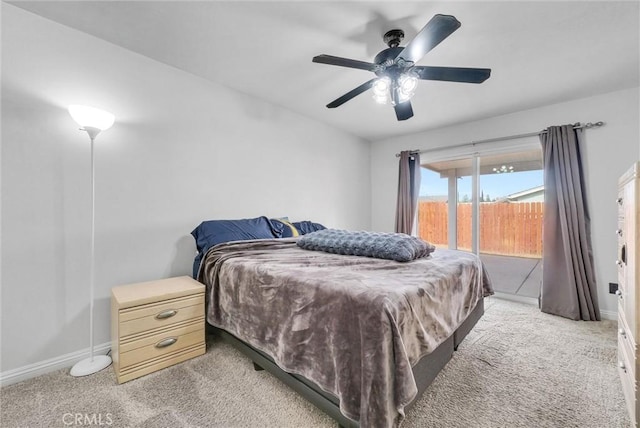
393, 246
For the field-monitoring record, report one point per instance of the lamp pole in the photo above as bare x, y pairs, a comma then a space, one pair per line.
87, 116
92, 265
93, 133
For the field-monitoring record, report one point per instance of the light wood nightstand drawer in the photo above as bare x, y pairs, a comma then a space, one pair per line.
164, 343
152, 316
136, 341
162, 362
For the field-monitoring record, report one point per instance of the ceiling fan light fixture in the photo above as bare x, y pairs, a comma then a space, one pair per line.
407, 84
381, 99
381, 90
503, 169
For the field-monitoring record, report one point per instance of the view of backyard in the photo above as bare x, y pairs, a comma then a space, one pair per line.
506, 228
511, 212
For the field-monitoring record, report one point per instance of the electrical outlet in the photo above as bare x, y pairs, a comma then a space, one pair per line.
613, 287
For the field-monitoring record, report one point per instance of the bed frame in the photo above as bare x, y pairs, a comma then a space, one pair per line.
425, 371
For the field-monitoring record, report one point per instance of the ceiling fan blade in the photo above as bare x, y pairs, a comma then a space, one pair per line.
404, 110
437, 29
344, 62
351, 94
453, 74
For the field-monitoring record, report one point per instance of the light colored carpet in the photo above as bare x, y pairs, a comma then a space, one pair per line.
517, 368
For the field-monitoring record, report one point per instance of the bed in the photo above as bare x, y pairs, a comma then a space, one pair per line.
359, 337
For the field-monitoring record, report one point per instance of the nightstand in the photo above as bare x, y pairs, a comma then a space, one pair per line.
156, 324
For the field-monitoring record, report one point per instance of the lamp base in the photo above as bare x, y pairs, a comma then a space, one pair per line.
87, 367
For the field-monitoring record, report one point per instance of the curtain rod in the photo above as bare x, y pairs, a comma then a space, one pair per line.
508, 137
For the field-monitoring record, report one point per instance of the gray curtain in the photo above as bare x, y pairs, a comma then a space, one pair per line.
568, 280
408, 189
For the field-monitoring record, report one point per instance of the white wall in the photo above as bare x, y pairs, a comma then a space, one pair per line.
182, 150
608, 151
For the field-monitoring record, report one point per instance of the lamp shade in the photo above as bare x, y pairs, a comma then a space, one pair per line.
89, 117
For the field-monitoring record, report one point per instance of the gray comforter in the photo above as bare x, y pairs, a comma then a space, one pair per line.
353, 325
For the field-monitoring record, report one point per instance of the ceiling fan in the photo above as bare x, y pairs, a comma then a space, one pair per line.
397, 74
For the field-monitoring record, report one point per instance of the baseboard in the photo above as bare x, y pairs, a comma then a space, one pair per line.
609, 315
516, 298
36, 369
606, 315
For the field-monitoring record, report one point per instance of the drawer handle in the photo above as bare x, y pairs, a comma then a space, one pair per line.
166, 314
622, 367
619, 293
622, 333
619, 232
618, 262
166, 342
619, 201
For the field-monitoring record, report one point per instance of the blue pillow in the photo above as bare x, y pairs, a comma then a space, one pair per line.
305, 227
213, 232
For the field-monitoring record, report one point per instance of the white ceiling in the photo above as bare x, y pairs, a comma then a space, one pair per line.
539, 52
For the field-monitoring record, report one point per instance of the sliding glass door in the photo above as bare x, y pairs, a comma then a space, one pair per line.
445, 208
491, 205
433, 208
445, 204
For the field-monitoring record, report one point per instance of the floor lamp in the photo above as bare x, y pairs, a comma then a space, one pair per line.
92, 121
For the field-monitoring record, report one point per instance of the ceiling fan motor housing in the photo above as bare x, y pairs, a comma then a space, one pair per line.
388, 65
392, 38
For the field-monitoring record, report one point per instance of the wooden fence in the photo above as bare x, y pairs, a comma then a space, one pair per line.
506, 228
